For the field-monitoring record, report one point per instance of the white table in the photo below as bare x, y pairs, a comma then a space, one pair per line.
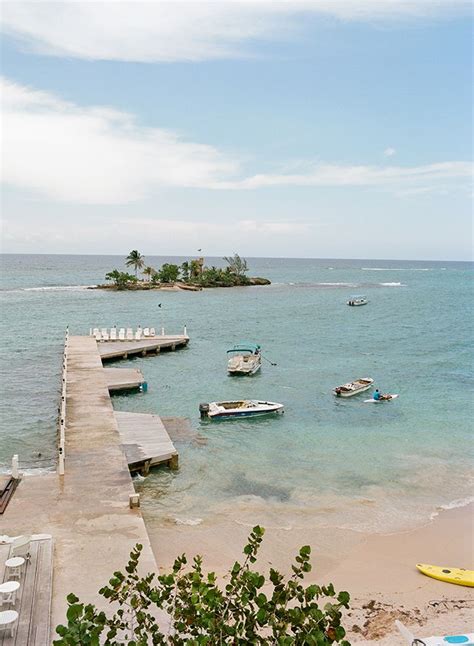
7, 620
14, 566
8, 592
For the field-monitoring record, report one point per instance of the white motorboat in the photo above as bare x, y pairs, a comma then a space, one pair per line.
244, 359
353, 387
357, 300
243, 408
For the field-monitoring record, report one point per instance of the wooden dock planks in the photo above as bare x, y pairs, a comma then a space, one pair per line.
34, 599
145, 441
117, 349
123, 378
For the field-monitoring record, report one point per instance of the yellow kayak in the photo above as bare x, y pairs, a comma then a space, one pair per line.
456, 575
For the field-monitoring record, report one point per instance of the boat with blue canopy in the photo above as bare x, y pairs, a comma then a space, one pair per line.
244, 359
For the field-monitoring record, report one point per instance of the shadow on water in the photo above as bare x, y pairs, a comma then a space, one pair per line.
242, 486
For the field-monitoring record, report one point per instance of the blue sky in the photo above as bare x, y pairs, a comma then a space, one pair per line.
340, 130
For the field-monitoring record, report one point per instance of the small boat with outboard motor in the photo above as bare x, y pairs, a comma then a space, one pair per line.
353, 387
244, 359
241, 408
357, 300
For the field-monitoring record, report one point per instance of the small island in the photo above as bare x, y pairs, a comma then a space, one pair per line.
191, 275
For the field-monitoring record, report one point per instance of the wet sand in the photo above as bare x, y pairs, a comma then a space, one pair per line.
378, 570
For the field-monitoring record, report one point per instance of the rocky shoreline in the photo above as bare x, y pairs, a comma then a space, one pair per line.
177, 286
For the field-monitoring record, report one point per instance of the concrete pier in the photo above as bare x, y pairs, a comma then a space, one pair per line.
124, 349
145, 441
123, 378
87, 510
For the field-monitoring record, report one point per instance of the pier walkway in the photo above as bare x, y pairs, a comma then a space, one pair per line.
123, 378
124, 349
87, 510
145, 441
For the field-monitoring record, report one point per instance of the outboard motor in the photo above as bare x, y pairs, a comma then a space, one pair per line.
204, 410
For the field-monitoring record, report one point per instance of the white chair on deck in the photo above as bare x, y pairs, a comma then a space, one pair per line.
152, 331
138, 334
21, 547
8, 592
146, 331
113, 333
129, 334
95, 331
98, 336
8, 619
105, 334
122, 334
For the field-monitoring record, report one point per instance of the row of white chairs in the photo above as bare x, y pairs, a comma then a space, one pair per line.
122, 334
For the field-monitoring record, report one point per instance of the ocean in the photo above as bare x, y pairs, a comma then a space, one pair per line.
325, 461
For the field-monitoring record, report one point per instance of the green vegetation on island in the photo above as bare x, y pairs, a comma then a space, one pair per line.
191, 275
249, 610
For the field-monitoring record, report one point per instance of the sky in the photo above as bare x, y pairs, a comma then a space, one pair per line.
326, 128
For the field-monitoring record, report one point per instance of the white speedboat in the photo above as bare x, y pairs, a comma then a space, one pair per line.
357, 301
353, 387
244, 359
243, 408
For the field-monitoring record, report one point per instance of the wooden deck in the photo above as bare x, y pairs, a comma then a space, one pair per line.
124, 349
145, 441
123, 378
33, 602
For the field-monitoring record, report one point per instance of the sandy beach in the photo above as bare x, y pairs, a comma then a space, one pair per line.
378, 570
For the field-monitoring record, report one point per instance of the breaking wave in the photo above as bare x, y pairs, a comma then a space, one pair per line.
50, 288
393, 284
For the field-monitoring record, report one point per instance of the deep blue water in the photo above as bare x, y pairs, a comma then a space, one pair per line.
373, 466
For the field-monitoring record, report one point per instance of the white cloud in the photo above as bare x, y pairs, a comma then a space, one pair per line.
186, 31
98, 155
389, 152
338, 175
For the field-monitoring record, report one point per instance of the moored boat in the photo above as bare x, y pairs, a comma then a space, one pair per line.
353, 387
242, 408
244, 359
357, 300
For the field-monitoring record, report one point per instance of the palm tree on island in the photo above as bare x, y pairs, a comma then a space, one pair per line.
135, 260
149, 271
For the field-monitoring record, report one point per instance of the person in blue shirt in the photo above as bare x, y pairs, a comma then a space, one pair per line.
377, 395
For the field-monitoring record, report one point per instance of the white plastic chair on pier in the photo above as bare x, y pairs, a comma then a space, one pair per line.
129, 334
105, 334
122, 334
95, 331
8, 619
113, 334
146, 331
138, 334
8, 592
98, 336
152, 331
20, 547
14, 566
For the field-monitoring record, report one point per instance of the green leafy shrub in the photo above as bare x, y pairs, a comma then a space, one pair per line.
121, 279
248, 610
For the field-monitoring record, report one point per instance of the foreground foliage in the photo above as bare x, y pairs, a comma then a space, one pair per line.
200, 612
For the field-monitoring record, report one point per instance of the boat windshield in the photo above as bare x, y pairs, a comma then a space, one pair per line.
253, 348
355, 297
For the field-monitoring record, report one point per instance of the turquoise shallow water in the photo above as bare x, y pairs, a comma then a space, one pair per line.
326, 460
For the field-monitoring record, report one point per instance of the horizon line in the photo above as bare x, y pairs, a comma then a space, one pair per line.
171, 255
